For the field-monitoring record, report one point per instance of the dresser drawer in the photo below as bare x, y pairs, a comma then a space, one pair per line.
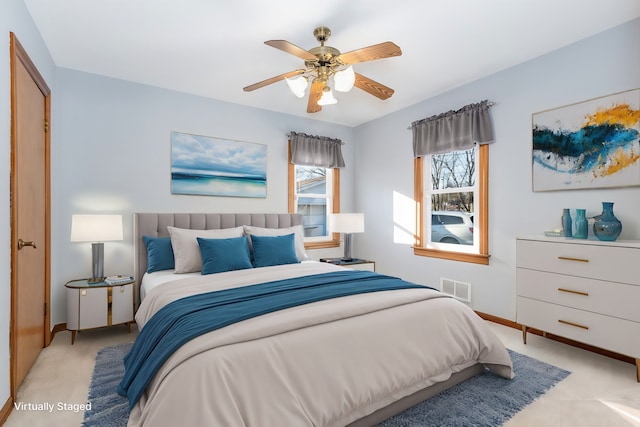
598, 296
606, 332
611, 263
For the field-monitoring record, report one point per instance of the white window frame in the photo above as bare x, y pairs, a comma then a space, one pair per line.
429, 191
328, 196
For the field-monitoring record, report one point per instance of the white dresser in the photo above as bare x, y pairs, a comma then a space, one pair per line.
584, 290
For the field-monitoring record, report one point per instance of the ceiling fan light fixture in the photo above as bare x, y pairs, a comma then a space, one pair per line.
324, 65
327, 97
344, 79
297, 86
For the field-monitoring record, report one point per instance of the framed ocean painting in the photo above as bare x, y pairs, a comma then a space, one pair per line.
207, 166
591, 144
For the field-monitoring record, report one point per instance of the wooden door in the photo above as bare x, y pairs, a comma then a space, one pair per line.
29, 214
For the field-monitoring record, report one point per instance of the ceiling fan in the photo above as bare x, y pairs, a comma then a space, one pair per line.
322, 63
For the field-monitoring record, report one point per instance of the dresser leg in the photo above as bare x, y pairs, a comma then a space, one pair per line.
524, 334
638, 370
73, 337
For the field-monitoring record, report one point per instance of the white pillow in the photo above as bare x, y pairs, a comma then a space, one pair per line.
296, 229
186, 251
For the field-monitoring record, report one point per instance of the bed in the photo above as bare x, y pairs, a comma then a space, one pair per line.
354, 358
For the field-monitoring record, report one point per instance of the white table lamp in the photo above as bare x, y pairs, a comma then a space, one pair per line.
347, 223
96, 229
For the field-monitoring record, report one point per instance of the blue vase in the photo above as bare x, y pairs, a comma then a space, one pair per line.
606, 226
566, 222
582, 227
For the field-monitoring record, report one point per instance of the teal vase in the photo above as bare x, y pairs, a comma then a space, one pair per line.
606, 226
566, 222
582, 227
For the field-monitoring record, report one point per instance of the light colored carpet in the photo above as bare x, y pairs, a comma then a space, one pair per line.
599, 392
486, 400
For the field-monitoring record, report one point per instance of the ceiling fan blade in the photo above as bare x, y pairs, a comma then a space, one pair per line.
371, 53
314, 96
291, 48
273, 80
373, 87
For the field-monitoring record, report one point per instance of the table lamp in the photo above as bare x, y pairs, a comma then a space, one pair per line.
347, 223
96, 229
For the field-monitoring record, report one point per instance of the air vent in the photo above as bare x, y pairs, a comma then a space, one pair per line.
458, 290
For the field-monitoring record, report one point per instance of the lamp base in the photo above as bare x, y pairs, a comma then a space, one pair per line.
97, 262
347, 248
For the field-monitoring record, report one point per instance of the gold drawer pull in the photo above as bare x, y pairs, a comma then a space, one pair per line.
586, 294
574, 324
566, 258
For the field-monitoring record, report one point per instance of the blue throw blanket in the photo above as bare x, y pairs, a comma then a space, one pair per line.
189, 317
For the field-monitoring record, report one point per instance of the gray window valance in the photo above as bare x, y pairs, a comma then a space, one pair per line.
453, 130
311, 150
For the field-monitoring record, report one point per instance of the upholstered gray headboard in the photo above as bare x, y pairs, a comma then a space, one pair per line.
155, 225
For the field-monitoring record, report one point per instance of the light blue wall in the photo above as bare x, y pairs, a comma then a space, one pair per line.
594, 67
112, 155
15, 18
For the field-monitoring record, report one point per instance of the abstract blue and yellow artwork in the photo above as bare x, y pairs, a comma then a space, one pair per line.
206, 166
591, 144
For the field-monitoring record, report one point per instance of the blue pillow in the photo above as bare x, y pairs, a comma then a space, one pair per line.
159, 253
220, 255
273, 250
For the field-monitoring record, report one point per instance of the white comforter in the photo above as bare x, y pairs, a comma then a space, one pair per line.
323, 364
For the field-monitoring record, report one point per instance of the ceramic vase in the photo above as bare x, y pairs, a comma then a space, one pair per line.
606, 226
582, 228
566, 222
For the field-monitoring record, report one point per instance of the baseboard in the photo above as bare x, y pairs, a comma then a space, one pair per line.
598, 350
6, 410
58, 328
499, 320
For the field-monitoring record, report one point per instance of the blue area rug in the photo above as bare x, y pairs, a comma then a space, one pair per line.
108, 408
486, 400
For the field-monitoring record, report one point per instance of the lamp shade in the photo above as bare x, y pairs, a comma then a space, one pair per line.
297, 86
345, 79
327, 98
96, 228
347, 223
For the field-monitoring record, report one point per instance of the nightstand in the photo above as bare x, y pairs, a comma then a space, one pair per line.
355, 264
97, 304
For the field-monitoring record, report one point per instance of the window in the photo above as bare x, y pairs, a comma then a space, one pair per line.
314, 192
451, 196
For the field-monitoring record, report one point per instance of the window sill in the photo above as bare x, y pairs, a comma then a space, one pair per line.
453, 256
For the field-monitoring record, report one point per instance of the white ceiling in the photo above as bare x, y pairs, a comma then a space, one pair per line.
214, 48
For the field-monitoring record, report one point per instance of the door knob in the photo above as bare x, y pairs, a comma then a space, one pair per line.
22, 244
